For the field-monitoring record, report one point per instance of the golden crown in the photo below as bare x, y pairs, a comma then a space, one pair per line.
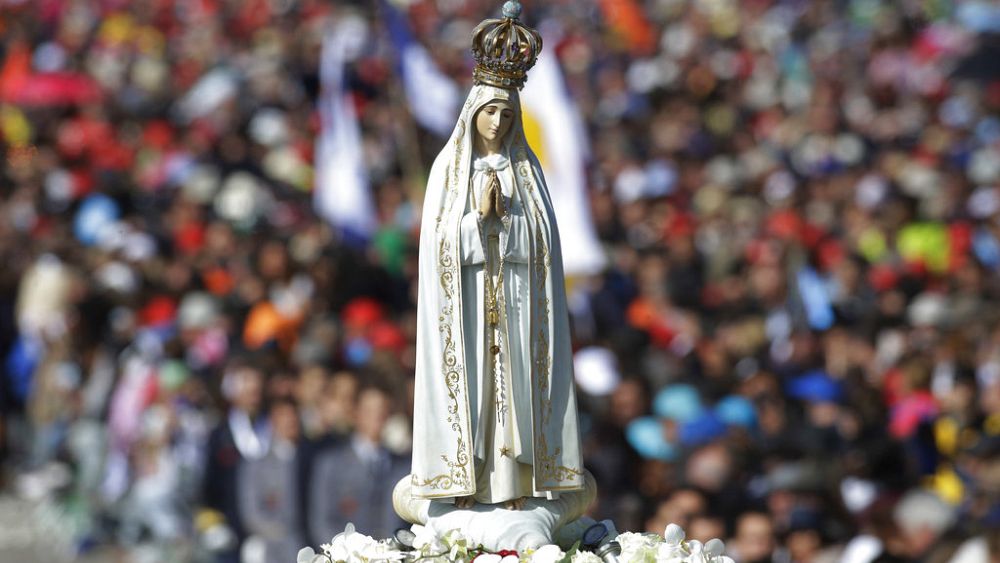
504, 49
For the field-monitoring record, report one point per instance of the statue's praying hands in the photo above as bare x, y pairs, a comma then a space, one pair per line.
492, 201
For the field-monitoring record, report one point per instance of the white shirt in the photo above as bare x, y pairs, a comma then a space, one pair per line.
370, 453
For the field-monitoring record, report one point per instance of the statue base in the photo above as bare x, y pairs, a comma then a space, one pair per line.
540, 522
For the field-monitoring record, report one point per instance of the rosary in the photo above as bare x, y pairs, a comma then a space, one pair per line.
493, 289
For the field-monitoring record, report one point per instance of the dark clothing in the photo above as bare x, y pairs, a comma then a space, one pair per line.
221, 466
345, 488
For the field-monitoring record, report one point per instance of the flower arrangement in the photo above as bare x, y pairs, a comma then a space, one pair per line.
671, 548
451, 547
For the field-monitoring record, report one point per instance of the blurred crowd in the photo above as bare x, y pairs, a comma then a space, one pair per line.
795, 343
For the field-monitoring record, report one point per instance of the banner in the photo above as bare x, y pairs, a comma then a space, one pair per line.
433, 98
555, 131
341, 194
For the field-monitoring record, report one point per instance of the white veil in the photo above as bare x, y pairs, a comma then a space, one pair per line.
442, 454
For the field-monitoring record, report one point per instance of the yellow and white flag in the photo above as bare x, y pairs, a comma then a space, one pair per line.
555, 131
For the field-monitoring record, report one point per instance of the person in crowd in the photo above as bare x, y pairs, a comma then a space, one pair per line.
922, 520
754, 541
244, 434
335, 413
353, 481
268, 491
704, 527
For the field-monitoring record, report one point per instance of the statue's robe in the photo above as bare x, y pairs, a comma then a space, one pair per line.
458, 436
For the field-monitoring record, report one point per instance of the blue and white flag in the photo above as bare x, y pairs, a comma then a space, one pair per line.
556, 133
341, 194
433, 98
815, 298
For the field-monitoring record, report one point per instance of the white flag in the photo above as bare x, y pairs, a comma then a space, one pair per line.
556, 133
341, 194
432, 96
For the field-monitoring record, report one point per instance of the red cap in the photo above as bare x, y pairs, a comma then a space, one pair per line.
883, 277
190, 237
387, 336
160, 310
362, 312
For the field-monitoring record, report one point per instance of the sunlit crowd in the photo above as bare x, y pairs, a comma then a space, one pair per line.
794, 343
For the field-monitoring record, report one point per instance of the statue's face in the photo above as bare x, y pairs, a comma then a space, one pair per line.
494, 120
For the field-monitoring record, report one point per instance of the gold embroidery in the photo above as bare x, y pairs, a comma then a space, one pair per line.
459, 472
460, 129
522, 157
447, 183
547, 469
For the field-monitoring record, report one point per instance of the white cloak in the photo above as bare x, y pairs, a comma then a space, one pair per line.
536, 356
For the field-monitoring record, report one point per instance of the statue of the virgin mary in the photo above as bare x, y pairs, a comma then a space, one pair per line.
495, 412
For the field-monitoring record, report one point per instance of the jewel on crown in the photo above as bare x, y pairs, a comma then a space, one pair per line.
504, 49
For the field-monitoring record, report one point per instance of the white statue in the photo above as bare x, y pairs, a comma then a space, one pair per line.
495, 417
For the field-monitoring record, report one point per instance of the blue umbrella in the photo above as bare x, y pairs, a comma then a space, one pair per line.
96, 211
645, 435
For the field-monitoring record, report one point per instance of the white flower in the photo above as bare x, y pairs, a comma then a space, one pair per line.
673, 534
547, 554
336, 551
714, 550
307, 555
457, 545
452, 547
668, 553
672, 549
714, 547
698, 553
495, 558
426, 540
348, 546
585, 557
380, 551
638, 548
